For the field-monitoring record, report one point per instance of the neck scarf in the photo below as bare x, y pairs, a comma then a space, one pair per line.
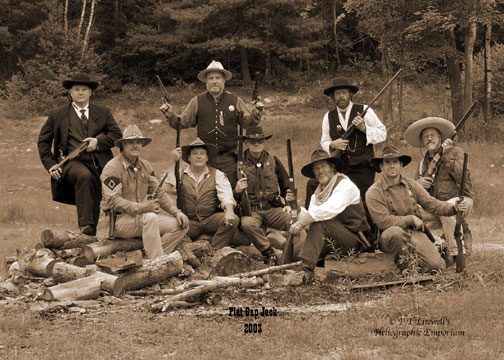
321, 196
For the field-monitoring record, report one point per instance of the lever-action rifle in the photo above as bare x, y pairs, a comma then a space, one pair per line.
288, 253
166, 98
432, 169
246, 210
351, 128
75, 152
460, 261
255, 92
155, 193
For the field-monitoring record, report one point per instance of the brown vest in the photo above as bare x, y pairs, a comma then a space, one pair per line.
269, 189
200, 201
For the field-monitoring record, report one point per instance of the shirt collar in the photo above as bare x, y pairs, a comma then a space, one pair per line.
76, 107
385, 183
189, 172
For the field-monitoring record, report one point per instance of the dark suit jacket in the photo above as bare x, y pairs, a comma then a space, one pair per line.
54, 136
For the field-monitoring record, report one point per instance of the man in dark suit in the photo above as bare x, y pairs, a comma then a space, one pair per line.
66, 128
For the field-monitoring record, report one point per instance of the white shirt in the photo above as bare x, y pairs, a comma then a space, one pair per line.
78, 110
375, 130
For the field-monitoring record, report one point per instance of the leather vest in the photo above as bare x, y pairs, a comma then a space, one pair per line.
269, 191
200, 201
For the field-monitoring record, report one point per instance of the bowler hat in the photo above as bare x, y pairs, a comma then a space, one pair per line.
132, 132
255, 132
389, 152
214, 66
80, 79
340, 83
414, 131
319, 155
197, 143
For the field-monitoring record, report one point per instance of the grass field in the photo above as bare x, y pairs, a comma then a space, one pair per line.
471, 306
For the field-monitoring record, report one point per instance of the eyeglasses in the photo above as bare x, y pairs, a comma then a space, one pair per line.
256, 141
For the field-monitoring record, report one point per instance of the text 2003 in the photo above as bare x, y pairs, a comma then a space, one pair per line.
252, 328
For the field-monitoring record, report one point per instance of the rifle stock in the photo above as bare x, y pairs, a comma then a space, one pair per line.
75, 152
288, 253
460, 261
351, 128
245, 208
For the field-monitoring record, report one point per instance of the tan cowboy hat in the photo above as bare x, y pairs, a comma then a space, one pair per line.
198, 143
80, 79
388, 153
132, 132
414, 131
340, 83
256, 132
214, 66
319, 155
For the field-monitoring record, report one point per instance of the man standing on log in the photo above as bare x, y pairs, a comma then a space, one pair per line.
335, 214
215, 115
127, 180
205, 191
394, 203
358, 149
433, 133
266, 180
79, 124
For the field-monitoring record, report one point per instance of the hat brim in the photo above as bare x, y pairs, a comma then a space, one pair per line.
329, 91
375, 162
258, 136
67, 84
211, 151
203, 73
307, 170
413, 132
145, 141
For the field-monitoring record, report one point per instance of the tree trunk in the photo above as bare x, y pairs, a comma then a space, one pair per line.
81, 21
61, 239
80, 289
470, 37
66, 18
88, 30
107, 247
388, 110
225, 261
245, 71
335, 33
152, 272
487, 74
454, 76
38, 262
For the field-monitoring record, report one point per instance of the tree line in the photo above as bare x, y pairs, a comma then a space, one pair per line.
121, 41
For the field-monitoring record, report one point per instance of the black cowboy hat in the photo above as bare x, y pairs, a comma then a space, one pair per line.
198, 143
319, 155
389, 152
340, 83
255, 132
80, 79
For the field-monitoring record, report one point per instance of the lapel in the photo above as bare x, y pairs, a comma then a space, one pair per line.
63, 125
93, 119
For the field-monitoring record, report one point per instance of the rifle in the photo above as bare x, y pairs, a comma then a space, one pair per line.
459, 237
288, 253
255, 92
76, 152
178, 181
246, 210
155, 193
166, 98
349, 131
432, 168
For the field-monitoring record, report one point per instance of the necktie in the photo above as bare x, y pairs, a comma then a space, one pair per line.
84, 120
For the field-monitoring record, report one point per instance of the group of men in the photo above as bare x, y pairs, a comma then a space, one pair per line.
344, 204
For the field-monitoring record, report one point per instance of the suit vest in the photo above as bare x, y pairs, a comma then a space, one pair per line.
200, 201
269, 189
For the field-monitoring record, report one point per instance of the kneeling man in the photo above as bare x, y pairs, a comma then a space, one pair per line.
336, 213
127, 181
395, 203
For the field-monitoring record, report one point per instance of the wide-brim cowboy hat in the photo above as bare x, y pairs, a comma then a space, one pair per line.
340, 83
414, 131
198, 143
80, 79
389, 152
132, 132
319, 155
256, 132
214, 66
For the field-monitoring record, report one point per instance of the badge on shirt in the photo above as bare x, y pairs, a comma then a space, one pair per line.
112, 185
339, 128
231, 108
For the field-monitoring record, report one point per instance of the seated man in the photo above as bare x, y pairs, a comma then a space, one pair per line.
203, 188
268, 181
335, 212
127, 180
393, 202
433, 134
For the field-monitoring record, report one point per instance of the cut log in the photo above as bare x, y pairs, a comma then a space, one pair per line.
225, 261
80, 289
80, 261
38, 262
63, 272
56, 239
121, 261
187, 255
8, 261
107, 247
199, 248
108, 281
153, 271
84, 251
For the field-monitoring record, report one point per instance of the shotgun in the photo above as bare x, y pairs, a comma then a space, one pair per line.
459, 237
245, 208
288, 254
351, 128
